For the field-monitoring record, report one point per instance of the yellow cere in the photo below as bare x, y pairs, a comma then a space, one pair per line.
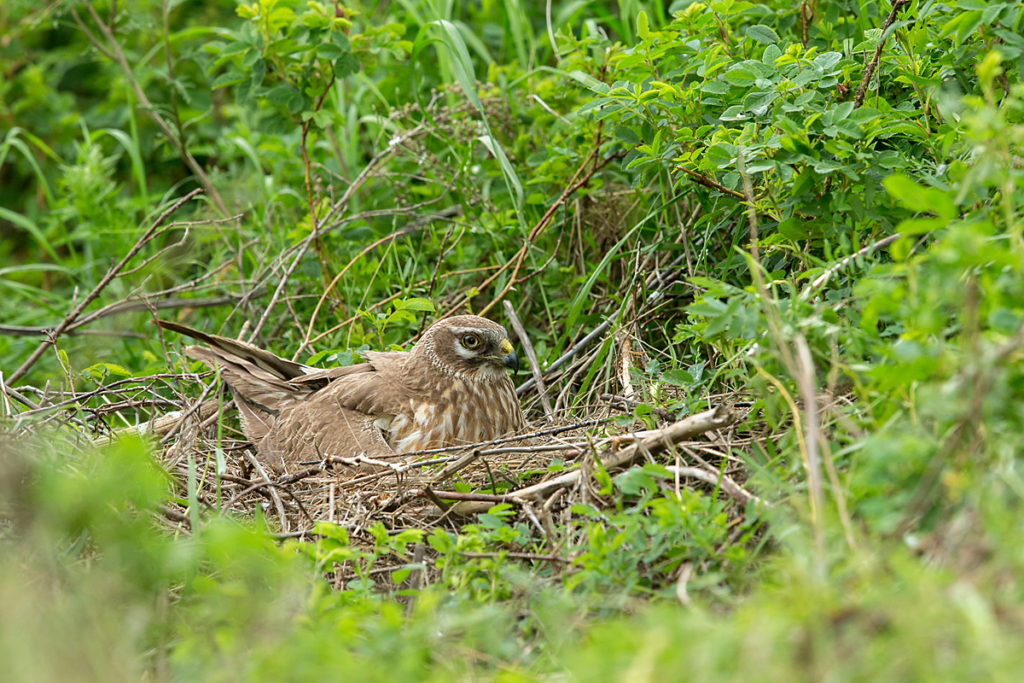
506, 346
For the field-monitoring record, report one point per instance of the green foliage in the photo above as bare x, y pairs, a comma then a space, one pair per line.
228, 602
818, 176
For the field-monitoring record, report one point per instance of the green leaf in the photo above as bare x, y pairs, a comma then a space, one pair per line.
414, 304
739, 76
794, 228
919, 226
677, 377
827, 60
771, 53
281, 94
332, 531
29, 226
642, 27
762, 34
230, 77
100, 370
588, 81
346, 65
441, 541
328, 51
916, 197
627, 135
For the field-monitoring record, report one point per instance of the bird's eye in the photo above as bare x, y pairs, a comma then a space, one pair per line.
470, 341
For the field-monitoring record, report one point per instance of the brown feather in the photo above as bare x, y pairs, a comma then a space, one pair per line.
450, 389
285, 369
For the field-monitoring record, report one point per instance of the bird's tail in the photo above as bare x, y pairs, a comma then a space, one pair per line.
265, 360
258, 378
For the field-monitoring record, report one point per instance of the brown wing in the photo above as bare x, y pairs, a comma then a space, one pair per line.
259, 394
316, 378
296, 413
345, 414
312, 430
272, 363
373, 388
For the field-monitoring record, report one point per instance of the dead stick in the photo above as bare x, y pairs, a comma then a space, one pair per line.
836, 267
734, 490
531, 357
664, 439
577, 347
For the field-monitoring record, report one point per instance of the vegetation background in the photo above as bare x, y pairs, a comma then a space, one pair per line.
813, 207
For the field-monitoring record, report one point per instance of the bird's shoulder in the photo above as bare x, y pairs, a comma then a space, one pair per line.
374, 387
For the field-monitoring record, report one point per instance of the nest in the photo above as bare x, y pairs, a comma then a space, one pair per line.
539, 476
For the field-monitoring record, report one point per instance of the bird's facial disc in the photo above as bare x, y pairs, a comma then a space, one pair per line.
478, 346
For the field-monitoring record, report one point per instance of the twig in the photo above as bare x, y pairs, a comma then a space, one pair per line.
280, 482
657, 281
630, 404
111, 274
454, 467
552, 431
975, 384
680, 431
707, 182
869, 71
435, 500
9, 391
178, 418
531, 357
681, 582
805, 381
408, 229
516, 262
175, 516
545, 221
484, 497
517, 556
576, 348
308, 171
117, 308
324, 227
365, 174
270, 487
839, 265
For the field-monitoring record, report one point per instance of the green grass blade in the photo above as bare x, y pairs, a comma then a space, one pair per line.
465, 74
31, 228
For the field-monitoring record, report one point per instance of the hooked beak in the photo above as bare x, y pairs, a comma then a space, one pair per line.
510, 360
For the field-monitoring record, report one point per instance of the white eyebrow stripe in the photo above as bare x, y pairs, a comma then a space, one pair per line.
464, 330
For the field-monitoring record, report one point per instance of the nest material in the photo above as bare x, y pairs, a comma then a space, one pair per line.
541, 475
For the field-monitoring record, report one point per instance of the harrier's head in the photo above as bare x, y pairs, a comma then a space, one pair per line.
469, 347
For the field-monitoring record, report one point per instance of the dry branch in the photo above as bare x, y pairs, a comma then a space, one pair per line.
531, 357
662, 440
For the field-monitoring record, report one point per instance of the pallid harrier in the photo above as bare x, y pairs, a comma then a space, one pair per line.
451, 389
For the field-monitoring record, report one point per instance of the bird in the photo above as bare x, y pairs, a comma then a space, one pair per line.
452, 388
